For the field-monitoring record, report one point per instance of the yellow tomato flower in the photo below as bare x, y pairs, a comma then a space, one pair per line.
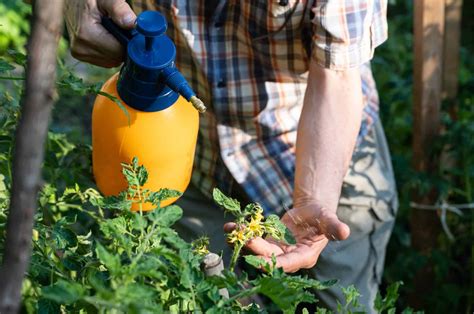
255, 228
258, 215
237, 236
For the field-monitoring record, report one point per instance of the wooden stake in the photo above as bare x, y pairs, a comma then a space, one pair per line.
31, 133
452, 39
213, 266
428, 60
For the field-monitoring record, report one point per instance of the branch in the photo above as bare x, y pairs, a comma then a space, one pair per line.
29, 148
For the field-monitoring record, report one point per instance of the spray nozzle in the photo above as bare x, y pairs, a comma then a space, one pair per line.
149, 79
176, 81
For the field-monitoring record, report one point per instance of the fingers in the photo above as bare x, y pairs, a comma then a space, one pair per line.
302, 257
333, 228
259, 246
229, 227
304, 221
96, 46
90, 41
119, 11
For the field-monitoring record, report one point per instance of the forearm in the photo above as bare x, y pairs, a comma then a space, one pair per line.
327, 133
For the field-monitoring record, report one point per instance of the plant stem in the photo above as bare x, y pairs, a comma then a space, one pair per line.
147, 238
242, 294
235, 255
12, 78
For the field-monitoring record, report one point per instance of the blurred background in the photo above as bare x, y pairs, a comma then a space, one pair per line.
438, 277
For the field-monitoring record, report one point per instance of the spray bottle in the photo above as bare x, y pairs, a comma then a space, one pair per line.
155, 122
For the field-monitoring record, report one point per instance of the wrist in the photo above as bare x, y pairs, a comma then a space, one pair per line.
329, 201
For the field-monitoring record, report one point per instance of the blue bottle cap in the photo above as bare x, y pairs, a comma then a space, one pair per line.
143, 81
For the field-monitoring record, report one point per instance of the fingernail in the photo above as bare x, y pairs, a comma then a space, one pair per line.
128, 19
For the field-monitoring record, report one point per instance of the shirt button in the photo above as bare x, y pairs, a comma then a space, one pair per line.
221, 83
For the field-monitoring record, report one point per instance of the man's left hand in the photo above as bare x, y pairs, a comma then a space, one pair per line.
312, 227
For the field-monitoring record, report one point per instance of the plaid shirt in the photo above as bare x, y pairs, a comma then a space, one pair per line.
248, 60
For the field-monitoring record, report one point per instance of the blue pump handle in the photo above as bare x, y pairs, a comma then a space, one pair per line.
150, 67
122, 35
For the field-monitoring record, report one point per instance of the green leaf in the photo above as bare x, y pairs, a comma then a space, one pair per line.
142, 175
352, 296
117, 101
5, 66
163, 194
166, 216
387, 303
134, 292
229, 204
250, 209
120, 202
186, 279
74, 83
110, 261
46, 306
255, 261
305, 282
64, 292
138, 222
282, 294
18, 57
282, 232
63, 237
112, 227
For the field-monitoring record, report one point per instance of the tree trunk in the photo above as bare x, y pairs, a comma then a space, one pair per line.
32, 129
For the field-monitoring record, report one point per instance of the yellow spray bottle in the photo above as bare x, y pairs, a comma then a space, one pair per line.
161, 126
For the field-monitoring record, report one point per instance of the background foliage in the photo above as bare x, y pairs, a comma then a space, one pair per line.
393, 67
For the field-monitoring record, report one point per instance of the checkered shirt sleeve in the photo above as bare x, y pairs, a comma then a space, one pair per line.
346, 32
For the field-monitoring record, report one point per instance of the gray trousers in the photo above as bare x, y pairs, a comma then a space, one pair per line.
368, 205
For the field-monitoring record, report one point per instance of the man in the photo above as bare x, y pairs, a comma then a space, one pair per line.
290, 94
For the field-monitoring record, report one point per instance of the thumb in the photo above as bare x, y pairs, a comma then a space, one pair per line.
332, 227
119, 11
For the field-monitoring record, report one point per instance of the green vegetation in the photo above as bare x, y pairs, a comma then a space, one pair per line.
454, 181
92, 254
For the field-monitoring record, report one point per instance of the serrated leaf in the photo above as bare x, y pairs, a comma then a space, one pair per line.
63, 292
63, 237
305, 282
186, 277
163, 194
166, 216
283, 295
134, 292
46, 306
113, 227
142, 175
229, 204
250, 209
74, 83
116, 202
388, 302
138, 222
110, 261
282, 232
255, 261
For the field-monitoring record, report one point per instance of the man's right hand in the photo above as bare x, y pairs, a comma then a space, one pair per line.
90, 41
